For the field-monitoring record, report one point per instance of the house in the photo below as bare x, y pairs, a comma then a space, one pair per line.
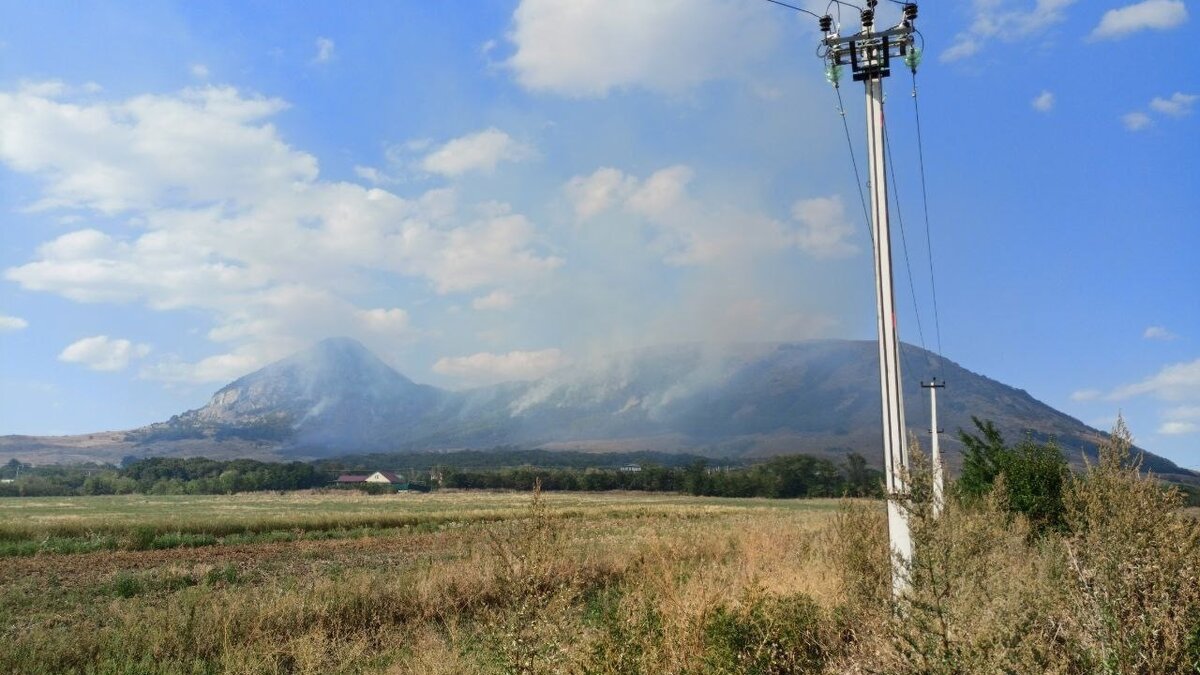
631, 468
377, 478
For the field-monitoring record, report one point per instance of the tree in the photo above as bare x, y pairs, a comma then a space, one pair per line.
1034, 474
982, 458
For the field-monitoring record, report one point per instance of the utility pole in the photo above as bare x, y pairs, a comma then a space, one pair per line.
939, 473
869, 54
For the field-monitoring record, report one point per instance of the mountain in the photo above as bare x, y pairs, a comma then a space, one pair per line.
746, 400
336, 393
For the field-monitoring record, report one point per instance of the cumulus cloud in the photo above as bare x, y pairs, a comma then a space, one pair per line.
199, 71
824, 228
1178, 428
486, 368
324, 50
1183, 412
480, 151
1176, 382
594, 194
1043, 102
496, 300
587, 48
692, 231
1008, 20
232, 221
102, 353
1158, 333
1179, 105
1086, 394
1136, 121
9, 324
1146, 15
202, 145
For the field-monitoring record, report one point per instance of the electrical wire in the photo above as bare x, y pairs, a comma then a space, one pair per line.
889, 168
928, 240
798, 9
854, 163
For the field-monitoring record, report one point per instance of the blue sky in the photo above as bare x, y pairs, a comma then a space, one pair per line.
490, 190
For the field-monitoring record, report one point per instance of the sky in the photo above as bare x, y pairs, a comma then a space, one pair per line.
493, 190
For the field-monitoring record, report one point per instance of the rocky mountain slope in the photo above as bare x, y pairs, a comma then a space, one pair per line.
819, 397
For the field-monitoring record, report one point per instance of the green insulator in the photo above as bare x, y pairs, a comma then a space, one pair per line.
833, 74
913, 59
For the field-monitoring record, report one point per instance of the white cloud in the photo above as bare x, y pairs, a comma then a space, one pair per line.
586, 48
594, 194
1179, 105
199, 71
324, 50
1149, 14
1086, 395
12, 323
393, 320
203, 145
1043, 102
221, 368
496, 300
1178, 428
485, 367
370, 174
1136, 121
824, 229
1008, 20
1176, 382
480, 151
1183, 412
690, 231
1158, 333
230, 220
100, 352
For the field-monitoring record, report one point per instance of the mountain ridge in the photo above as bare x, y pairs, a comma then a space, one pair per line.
743, 399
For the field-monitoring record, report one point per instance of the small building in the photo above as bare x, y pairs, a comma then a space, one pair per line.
631, 468
380, 480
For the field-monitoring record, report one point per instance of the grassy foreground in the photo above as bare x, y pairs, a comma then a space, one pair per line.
606, 584
454, 583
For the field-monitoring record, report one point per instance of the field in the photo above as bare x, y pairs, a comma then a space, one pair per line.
338, 582
478, 582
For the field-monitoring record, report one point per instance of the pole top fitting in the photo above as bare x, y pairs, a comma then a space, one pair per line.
868, 18
910, 11
826, 23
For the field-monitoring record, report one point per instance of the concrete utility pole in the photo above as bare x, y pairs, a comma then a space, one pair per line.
869, 53
939, 473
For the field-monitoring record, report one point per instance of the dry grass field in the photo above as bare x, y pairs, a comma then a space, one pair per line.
599, 583
445, 582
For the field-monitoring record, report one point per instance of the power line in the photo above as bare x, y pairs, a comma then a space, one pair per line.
928, 240
912, 289
853, 161
798, 9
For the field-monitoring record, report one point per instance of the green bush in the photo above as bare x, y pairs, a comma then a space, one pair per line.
1034, 474
767, 635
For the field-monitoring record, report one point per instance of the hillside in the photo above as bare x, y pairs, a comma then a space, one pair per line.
744, 400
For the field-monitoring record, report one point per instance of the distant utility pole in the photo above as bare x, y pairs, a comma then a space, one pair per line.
869, 54
939, 473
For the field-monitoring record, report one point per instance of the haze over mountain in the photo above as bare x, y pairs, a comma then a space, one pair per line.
744, 400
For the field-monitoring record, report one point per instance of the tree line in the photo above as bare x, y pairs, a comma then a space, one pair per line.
785, 477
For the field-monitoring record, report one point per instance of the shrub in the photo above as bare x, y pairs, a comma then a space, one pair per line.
1134, 567
768, 634
1034, 474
